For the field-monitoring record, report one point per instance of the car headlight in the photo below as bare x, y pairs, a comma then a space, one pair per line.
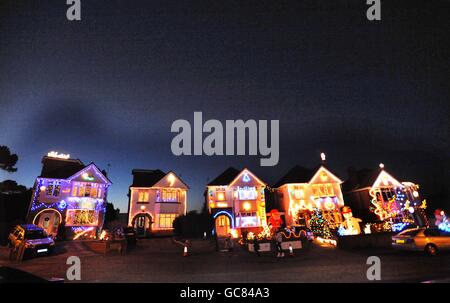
29, 245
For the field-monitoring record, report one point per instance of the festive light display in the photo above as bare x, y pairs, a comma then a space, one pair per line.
350, 226
65, 202
441, 220
319, 226
54, 154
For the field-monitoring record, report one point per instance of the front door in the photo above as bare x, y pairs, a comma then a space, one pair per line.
142, 225
49, 220
222, 226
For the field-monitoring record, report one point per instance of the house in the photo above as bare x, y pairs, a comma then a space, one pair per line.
236, 201
156, 198
377, 194
69, 198
301, 191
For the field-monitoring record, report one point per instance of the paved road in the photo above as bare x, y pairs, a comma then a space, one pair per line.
160, 260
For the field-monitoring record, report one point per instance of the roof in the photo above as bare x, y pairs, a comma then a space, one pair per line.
297, 174
300, 174
359, 179
146, 177
226, 177
60, 168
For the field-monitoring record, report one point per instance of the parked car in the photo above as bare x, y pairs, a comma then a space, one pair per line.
429, 240
35, 239
130, 235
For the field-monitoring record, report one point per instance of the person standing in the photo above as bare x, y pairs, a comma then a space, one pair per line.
279, 240
256, 245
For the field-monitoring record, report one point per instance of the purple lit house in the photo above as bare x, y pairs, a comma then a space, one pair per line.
69, 198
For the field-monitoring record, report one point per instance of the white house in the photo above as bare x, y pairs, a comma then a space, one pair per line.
156, 198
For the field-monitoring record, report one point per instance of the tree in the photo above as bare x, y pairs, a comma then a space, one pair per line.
7, 159
319, 226
193, 224
111, 213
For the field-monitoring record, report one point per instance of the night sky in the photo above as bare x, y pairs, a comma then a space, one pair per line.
107, 88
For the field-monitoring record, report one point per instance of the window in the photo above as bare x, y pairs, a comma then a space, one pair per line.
53, 189
298, 193
81, 191
166, 220
143, 196
220, 195
81, 217
74, 191
170, 195
247, 193
92, 190
323, 190
87, 190
49, 189
56, 189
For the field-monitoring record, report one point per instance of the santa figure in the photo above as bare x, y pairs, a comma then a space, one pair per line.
275, 220
350, 224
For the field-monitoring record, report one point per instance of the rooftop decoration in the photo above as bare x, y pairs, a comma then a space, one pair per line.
54, 154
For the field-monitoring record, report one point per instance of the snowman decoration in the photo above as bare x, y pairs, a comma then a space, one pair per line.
350, 225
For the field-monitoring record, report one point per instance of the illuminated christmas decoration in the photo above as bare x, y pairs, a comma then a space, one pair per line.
367, 229
246, 178
441, 220
171, 179
236, 201
62, 195
396, 203
319, 226
275, 221
54, 154
350, 225
156, 199
302, 192
397, 227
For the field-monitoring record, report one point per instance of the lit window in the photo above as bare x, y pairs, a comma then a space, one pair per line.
247, 193
298, 193
94, 192
170, 195
143, 196
166, 220
220, 195
81, 217
81, 191
74, 191
99, 195
49, 189
56, 189
87, 190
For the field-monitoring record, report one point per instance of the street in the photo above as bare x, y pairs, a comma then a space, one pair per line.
161, 260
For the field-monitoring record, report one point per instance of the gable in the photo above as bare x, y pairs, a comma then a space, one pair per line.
386, 180
323, 175
171, 180
246, 178
90, 173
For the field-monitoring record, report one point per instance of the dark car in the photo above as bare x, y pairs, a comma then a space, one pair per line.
34, 239
130, 235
